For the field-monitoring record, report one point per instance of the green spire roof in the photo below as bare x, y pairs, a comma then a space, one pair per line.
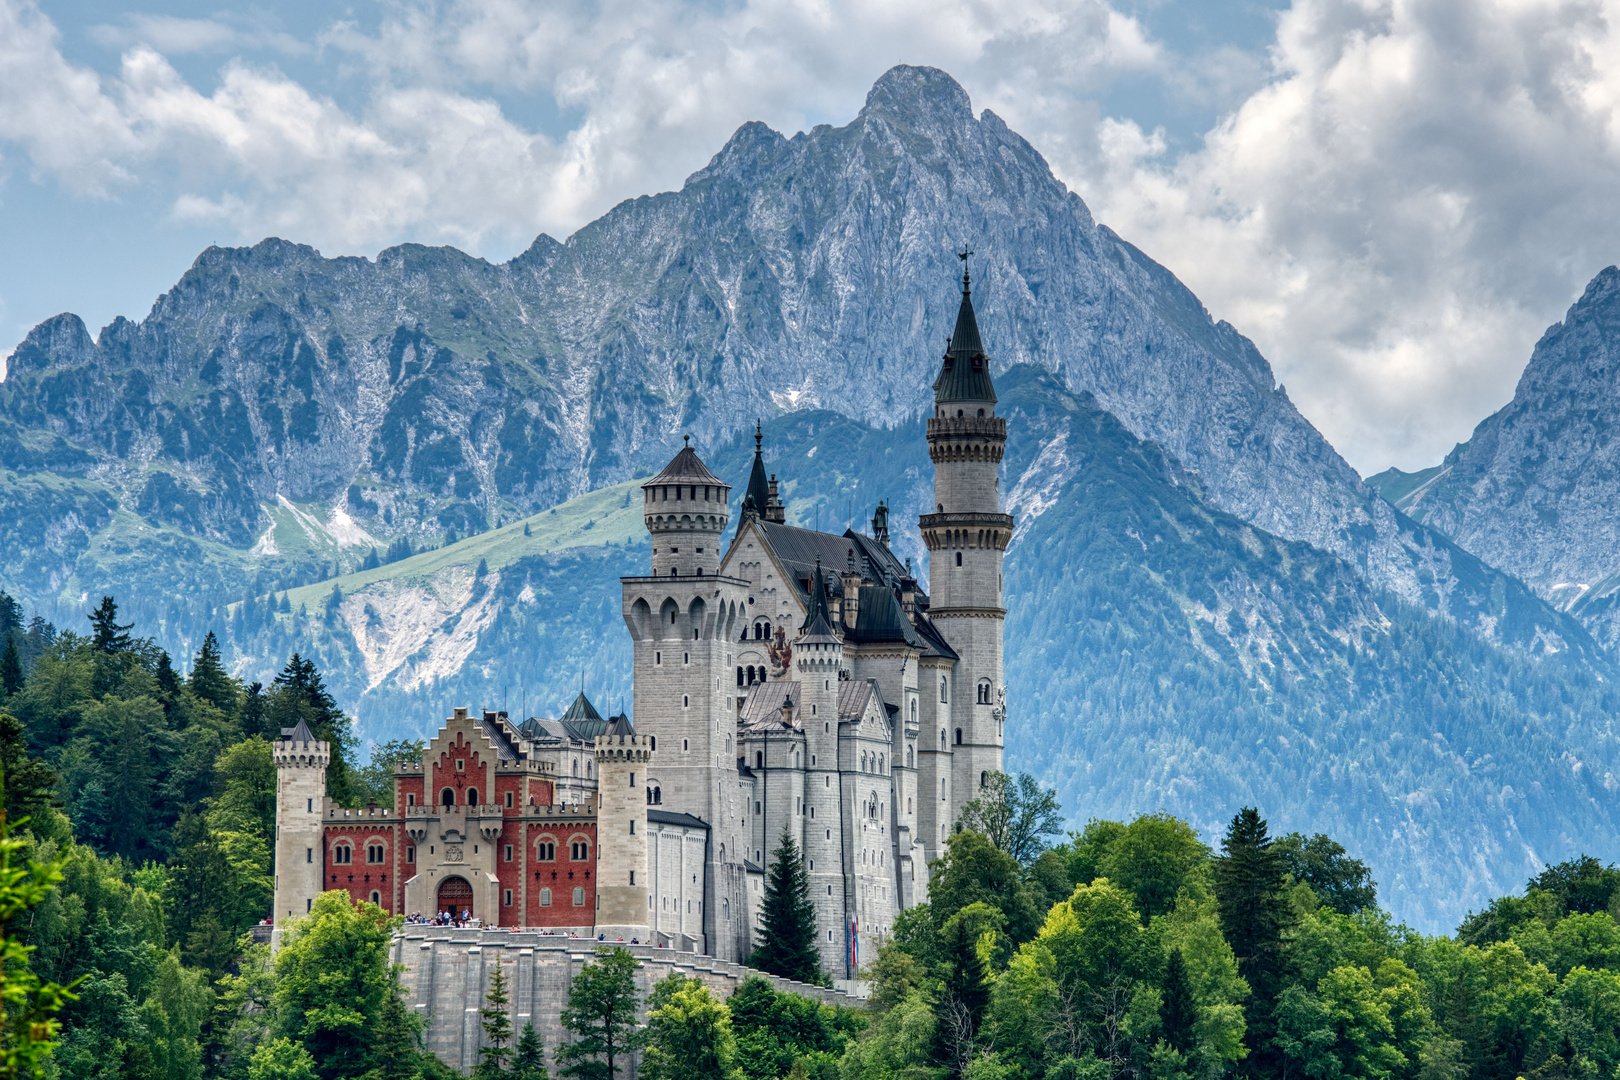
582, 709
966, 373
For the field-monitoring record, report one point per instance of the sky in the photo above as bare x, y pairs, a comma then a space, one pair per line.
1393, 198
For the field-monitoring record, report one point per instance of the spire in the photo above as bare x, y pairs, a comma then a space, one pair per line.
581, 709
758, 491
817, 621
965, 375
880, 523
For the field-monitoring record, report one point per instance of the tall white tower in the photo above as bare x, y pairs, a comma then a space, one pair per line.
683, 619
818, 661
623, 890
301, 761
967, 537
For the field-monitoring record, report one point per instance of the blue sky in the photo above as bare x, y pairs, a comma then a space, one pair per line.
1392, 197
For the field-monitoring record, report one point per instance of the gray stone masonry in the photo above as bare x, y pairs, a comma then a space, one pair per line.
447, 974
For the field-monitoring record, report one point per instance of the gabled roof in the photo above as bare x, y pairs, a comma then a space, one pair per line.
965, 375
800, 550
762, 708
496, 733
854, 696
686, 468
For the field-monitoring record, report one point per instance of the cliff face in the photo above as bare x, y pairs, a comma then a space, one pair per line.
427, 392
1534, 490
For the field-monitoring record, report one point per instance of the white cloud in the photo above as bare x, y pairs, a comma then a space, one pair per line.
1399, 213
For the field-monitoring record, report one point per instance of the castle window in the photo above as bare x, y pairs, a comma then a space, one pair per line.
958, 558
908, 757
545, 897
958, 736
376, 897
509, 799
506, 852
880, 764
506, 897
472, 796
739, 675
579, 850
461, 764
410, 854
984, 778
309, 855
545, 850
759, 761
410, 799
374, 853
632, 832
343, 853
652, 742
686, 701
981, 414
579, 896
942, 685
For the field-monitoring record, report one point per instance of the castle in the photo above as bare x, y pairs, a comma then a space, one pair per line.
792, 681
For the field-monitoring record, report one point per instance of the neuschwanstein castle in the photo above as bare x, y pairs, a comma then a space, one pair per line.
785, 679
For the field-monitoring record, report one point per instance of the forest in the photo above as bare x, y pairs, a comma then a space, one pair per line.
135, 858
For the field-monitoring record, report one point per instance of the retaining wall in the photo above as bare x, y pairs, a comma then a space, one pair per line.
447, 974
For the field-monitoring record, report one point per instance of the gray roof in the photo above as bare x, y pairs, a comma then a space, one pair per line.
619, 725
853, 697
937, 645
758, 489
965, 375
818, 625
669, 817
798, 550
881, 618
762, 708
686, 468
299, 732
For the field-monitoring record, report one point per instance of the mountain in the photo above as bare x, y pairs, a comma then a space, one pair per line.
1534, 489
427, 394
1161, 653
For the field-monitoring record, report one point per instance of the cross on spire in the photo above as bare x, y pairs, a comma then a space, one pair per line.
963, 255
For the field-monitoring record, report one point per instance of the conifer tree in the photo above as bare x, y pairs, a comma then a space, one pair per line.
11, 669
396, 1035
601, 1016
529, 1060
109, 637
209, 679
168, 681
964, 995
1178, 1013
497, 1029
1252, 900
787, 945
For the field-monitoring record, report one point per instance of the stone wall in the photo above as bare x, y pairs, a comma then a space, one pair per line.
447, 973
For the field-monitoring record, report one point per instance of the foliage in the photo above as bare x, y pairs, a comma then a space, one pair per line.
601, 1017
776, 1030
787, 941
1342, 883
689, 1034
332, 978
497, 1027
528, 1060
1015, 814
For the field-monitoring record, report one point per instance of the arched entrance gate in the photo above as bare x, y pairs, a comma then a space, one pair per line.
455, 896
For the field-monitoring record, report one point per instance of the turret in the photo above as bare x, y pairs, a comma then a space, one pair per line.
301, 761
623, 890
818, 661
685, 510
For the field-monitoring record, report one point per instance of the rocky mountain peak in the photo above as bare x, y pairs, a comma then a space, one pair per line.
917, 95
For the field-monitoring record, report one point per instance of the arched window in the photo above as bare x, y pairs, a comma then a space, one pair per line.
374, 853
342, 854
958, 558
579, 850
658, 796
649, 796
545, 850
579, 896
942, 738
958, 736
759, 759
880, 764
472, 796
376, 897
913, 712
984, 778
652, 742
942, 685
448, 796
739, 675
981, 414
908, 757
545, 897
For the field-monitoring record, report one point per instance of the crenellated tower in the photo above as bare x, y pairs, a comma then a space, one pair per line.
623, 890
683, 619
967, 537
301, 761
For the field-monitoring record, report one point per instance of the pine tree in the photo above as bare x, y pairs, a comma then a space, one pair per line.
10, 614
787, 945
1252, 900
109, 636
964, 995
396, 1038
497, 1029
529, 1061
209, 680
1178, 1013
11, 669
601, 1016
168, 681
